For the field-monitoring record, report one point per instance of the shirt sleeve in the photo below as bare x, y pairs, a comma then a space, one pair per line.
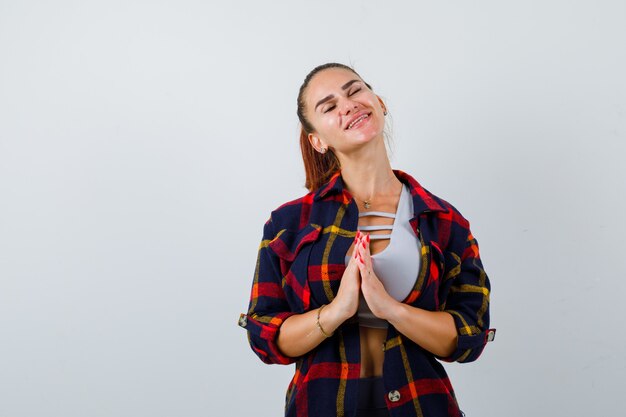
268, 307
468, 301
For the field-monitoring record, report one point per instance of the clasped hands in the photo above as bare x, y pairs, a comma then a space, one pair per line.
358, 276
435, 331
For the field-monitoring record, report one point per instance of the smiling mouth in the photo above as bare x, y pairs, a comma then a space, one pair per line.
358, 120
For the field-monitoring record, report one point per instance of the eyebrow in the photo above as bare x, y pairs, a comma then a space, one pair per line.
330, 96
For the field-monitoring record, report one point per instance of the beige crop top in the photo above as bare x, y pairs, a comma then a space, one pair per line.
397, 266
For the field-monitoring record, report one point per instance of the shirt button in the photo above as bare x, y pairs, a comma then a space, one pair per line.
243, 320
394, 396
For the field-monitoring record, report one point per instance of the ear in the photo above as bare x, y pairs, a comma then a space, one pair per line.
382, 104
316, 142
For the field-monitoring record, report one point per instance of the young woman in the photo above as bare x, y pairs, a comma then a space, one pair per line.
369, 279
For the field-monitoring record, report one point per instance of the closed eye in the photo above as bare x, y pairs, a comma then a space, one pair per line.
353, 92
329, 108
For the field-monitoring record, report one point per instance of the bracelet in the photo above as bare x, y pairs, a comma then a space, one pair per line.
319, 326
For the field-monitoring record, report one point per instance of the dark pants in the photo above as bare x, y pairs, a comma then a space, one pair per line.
371, 402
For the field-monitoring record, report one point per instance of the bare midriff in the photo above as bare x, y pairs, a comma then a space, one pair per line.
372, 353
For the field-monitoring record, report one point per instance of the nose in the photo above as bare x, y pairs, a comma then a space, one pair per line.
348, 106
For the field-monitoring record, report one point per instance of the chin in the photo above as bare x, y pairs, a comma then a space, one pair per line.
369, 135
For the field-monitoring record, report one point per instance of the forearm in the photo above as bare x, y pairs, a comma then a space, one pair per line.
434, 331
300, 334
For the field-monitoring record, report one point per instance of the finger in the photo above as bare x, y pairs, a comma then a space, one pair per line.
359, 258
365, 242
364, 252
363, 264
360, 263
359, 249
356, 243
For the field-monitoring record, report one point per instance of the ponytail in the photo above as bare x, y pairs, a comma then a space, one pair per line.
318, 167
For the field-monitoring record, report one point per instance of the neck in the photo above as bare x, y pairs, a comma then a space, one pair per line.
367, 173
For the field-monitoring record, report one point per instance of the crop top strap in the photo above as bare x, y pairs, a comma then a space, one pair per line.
379, 236
376, 227
378, 213
374, 236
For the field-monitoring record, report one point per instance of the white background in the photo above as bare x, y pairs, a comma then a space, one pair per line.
144, 143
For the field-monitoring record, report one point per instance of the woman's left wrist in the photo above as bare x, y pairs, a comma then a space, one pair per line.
396, 312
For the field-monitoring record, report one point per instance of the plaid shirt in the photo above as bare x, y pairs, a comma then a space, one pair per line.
299, 267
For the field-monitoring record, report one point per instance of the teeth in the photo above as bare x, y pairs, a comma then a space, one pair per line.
357, 120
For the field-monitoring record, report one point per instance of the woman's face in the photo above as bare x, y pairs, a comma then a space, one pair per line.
343, 111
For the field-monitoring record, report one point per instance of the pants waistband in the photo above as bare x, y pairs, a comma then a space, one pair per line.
371, 393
